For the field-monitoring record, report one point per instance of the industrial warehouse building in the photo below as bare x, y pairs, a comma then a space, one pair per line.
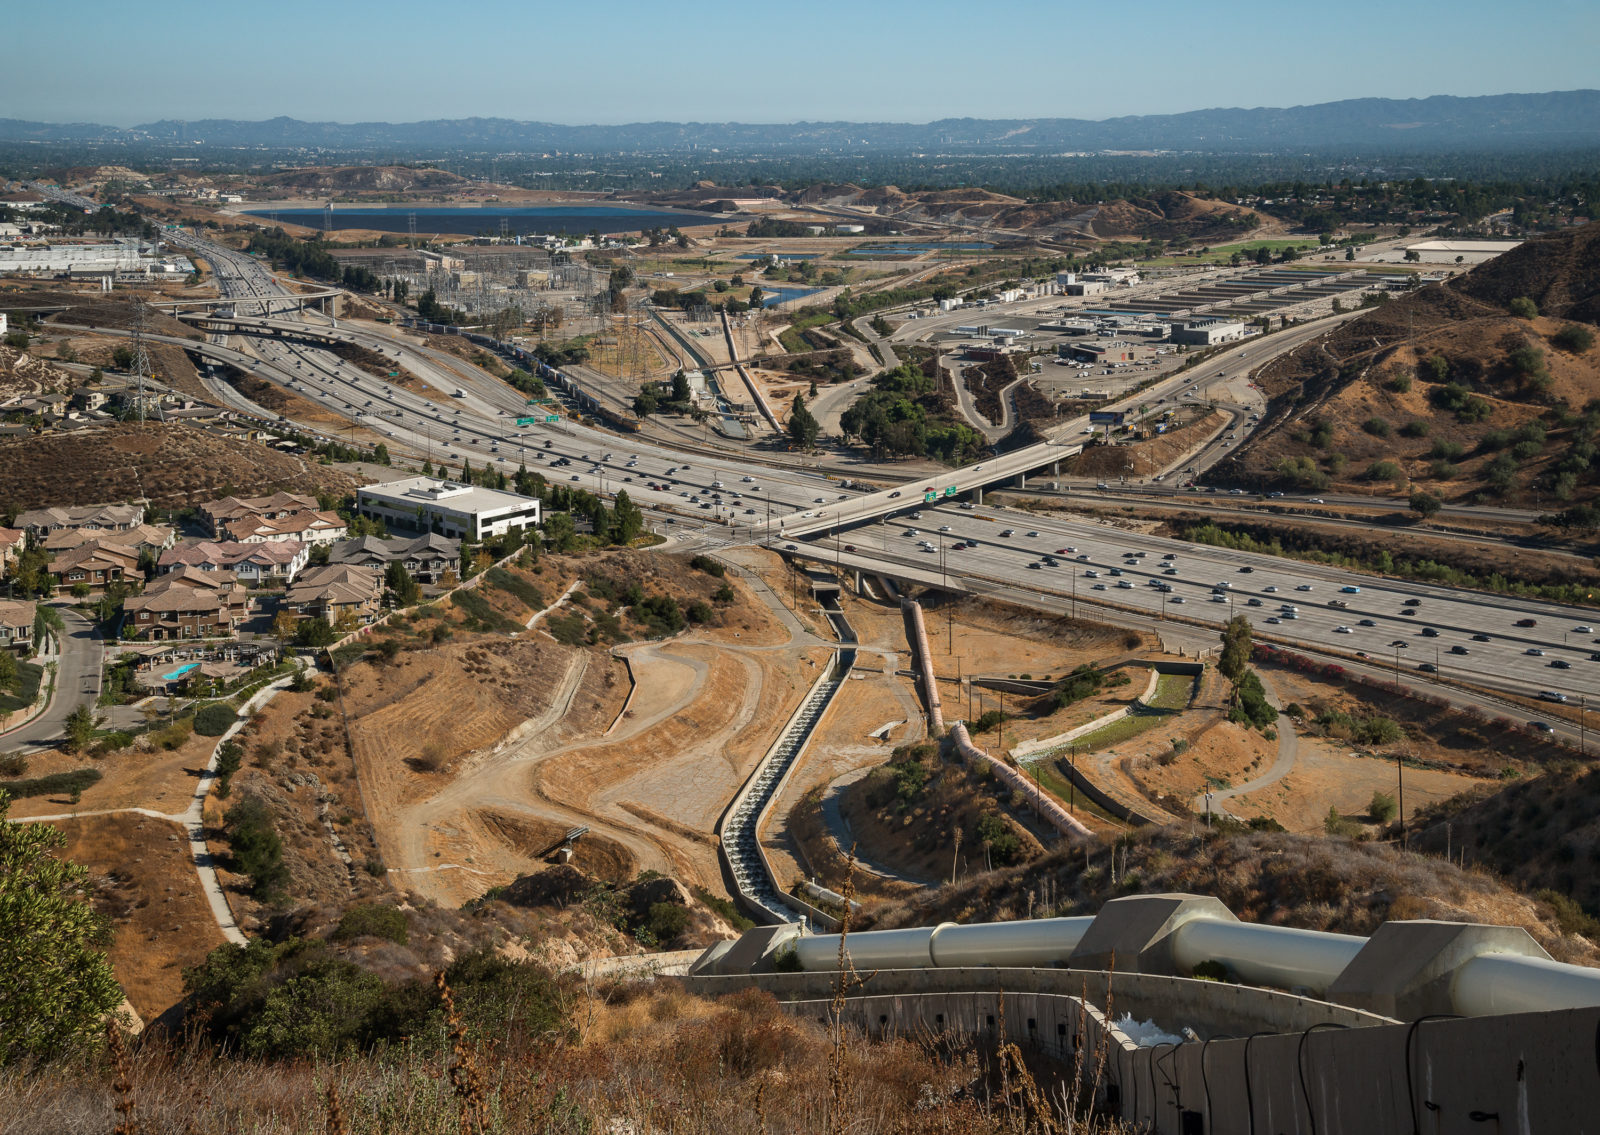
461, 512
1207, 332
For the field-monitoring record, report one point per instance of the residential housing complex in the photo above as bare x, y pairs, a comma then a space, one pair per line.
333, 590
95, 566
187, 603
113, 517
462, 512
16, 623
425, 557
279, 517
274, 564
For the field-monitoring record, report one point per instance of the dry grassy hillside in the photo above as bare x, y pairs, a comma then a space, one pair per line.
1314, 882
364, 178
1448, 389
171, 465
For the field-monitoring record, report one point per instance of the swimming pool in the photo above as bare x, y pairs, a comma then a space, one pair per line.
180, 671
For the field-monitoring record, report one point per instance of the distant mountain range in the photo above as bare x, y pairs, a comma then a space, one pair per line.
1555, 119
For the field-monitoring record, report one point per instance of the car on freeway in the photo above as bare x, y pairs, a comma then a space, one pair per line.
1270, 589
1350, 589
1481, 638
1430, 632
1412, 603
1583, 630
1552, 695
1595, 657
1126, 584
1034, 566
1527, 622
944, 528
1304, 587
1008, 533
849, 547
1343, 630
1459, 649
1067, 551
1534, 651
1274, 620
1367, 623
1169, 571
894, 494
1098, 587
1427, 667
1177, 599
1091, 574
1542, 726
1246, 570
791, 547
1252, 602
1031, 535
1560, 664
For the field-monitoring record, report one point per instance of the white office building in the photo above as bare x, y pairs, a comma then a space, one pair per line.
461, 512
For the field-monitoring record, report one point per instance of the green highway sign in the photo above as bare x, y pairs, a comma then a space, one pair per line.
950, 491
527, 421
929, 498
551, 419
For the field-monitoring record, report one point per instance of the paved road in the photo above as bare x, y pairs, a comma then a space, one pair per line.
78, 676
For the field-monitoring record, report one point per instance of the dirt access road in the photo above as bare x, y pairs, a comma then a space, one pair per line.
649, 783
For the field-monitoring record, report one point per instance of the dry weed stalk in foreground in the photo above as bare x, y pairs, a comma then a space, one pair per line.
336, 1124
838, 1076
123, 1084
465, 1079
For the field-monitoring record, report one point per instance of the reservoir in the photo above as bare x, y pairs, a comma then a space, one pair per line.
576, 220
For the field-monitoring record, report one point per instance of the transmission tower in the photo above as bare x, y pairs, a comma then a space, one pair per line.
141, 354
411, 223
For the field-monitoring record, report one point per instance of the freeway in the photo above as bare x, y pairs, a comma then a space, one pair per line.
1470, 636
735, 502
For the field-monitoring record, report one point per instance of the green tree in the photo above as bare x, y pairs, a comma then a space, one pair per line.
80, 727
803, 425
1236, 645
398, 580
1524, 308
1383, 808
56, 985
257, 848
1425, 504
627, 519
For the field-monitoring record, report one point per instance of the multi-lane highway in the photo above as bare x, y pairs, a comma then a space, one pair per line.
728, 500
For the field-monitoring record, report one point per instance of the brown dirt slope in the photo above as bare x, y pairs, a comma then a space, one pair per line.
171, 465
1371, 386
1543, 832
364, 178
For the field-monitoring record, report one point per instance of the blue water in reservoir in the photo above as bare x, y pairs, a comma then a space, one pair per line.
771, 297
519, 220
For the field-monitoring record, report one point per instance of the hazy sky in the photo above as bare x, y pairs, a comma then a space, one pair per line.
872, 60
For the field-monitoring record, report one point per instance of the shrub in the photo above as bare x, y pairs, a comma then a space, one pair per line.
666, 920
1415, 428
229, 757
257, 849
1444, 450
1383, 808
1400, 383
13, 764
1383, 471
708, 565
214, 720
1524, 308
373, 920
1377, 427
1574, 338
69, 783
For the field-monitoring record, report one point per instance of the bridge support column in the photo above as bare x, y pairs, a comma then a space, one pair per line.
1055, 469
1022, 480
977, 495
861, 588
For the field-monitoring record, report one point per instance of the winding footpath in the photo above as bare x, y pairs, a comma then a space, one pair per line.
192, 818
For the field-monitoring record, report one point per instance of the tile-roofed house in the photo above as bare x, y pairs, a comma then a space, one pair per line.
176, 611
306, 526
13, 541
95, 565
140, 537
257, 565
426, 557
222, 583
16, 623
41, 521
329, 591
216, 513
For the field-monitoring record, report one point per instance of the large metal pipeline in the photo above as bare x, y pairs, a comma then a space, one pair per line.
923, 661
1266, 955
1031, 942
1051, 811
1511, 983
